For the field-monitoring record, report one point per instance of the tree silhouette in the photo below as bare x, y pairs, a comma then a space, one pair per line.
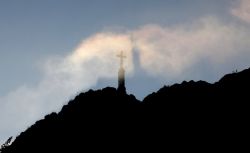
6, 144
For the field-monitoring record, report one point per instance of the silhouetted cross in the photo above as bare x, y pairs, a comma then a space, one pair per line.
121, 56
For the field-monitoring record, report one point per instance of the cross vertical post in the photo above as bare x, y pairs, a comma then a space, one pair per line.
121, 56
121, 75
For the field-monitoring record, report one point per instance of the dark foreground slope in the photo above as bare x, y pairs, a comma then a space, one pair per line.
183, 115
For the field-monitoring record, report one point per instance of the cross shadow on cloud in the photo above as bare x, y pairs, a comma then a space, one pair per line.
166, 52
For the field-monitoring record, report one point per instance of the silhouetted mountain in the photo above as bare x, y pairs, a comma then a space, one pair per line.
190, 114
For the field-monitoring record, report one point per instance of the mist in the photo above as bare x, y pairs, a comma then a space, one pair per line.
204, 49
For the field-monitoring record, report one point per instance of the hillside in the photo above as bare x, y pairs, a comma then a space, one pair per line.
186, 114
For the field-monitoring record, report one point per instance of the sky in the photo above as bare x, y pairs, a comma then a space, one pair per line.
52, 50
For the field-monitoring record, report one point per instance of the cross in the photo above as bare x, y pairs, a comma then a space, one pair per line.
121, 56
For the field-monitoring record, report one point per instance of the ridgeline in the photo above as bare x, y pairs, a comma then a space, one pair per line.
178, 116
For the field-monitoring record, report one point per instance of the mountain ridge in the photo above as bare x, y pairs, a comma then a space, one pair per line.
106, 118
